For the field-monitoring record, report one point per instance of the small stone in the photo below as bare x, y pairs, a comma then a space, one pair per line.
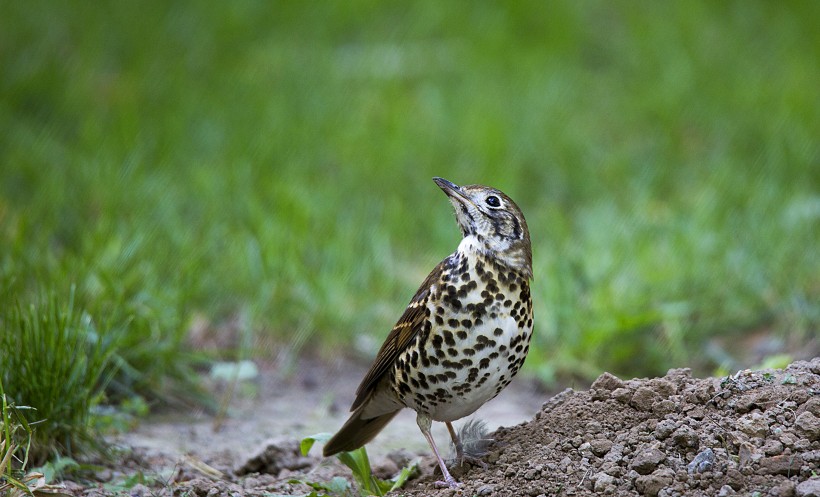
748, 454
809, 425
785, 464
646, 460
812, 458
600, 447
603, 482
565, 463
662, 387
702, 462
735, 478
785, 489
607, 381
802, 445
654, 483
622, 395
753, 424
772, 447
664, 429
808, 488
615, 454
686, 437
811, 405
666, 406
697, 413
726, 490
644, 399
788, 439
486, 490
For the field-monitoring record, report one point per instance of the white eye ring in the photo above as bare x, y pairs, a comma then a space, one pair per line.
493, 201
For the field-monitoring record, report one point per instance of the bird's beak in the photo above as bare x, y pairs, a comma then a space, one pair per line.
452, 190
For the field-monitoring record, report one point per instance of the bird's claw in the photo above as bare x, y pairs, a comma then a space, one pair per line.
448, 483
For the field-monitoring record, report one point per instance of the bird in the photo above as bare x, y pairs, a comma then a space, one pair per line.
463, 336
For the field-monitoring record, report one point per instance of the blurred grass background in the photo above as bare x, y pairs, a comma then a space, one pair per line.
177, 163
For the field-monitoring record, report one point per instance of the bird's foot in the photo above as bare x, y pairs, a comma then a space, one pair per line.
449, 482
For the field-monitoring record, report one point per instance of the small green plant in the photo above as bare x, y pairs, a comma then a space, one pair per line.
59, 468
57, 362
359, 464
15, 443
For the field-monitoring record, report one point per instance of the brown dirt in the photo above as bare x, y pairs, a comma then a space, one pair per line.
755, 433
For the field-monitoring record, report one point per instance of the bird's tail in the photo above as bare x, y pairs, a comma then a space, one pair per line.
357, 431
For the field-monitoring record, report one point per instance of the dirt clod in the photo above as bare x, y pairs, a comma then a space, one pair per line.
275, 456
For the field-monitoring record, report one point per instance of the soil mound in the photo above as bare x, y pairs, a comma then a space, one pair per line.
753, 433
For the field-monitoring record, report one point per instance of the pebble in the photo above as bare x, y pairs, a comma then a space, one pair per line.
809, 425
784, 464
652, 484
644, 399
753, 424
622, 395
647, 460
702, 462
665, 428
604, 483
485, 490
808, 488
607, 381
600, 447
785, 489
726, 490
686, 437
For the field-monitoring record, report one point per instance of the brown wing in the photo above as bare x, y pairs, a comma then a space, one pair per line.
406, 328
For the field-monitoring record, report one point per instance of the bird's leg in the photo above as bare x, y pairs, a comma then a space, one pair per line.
460, 456
457, 443
424, 423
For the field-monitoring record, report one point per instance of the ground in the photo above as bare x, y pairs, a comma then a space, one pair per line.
753, 433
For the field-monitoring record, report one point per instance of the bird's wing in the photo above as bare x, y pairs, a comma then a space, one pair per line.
402, 334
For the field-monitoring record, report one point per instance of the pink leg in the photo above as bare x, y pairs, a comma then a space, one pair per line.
425, 423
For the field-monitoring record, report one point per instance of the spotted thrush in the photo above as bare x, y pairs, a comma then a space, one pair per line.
465, 333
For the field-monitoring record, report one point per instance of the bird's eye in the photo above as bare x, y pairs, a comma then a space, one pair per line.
493, 201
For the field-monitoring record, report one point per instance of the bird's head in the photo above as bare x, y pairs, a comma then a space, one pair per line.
491, 223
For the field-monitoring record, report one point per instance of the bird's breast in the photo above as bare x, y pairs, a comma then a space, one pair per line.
480, 324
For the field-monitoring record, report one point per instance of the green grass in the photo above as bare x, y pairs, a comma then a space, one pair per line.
15, 443
59, 362
186, 160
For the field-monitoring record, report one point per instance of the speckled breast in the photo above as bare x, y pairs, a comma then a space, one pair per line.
480, 325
